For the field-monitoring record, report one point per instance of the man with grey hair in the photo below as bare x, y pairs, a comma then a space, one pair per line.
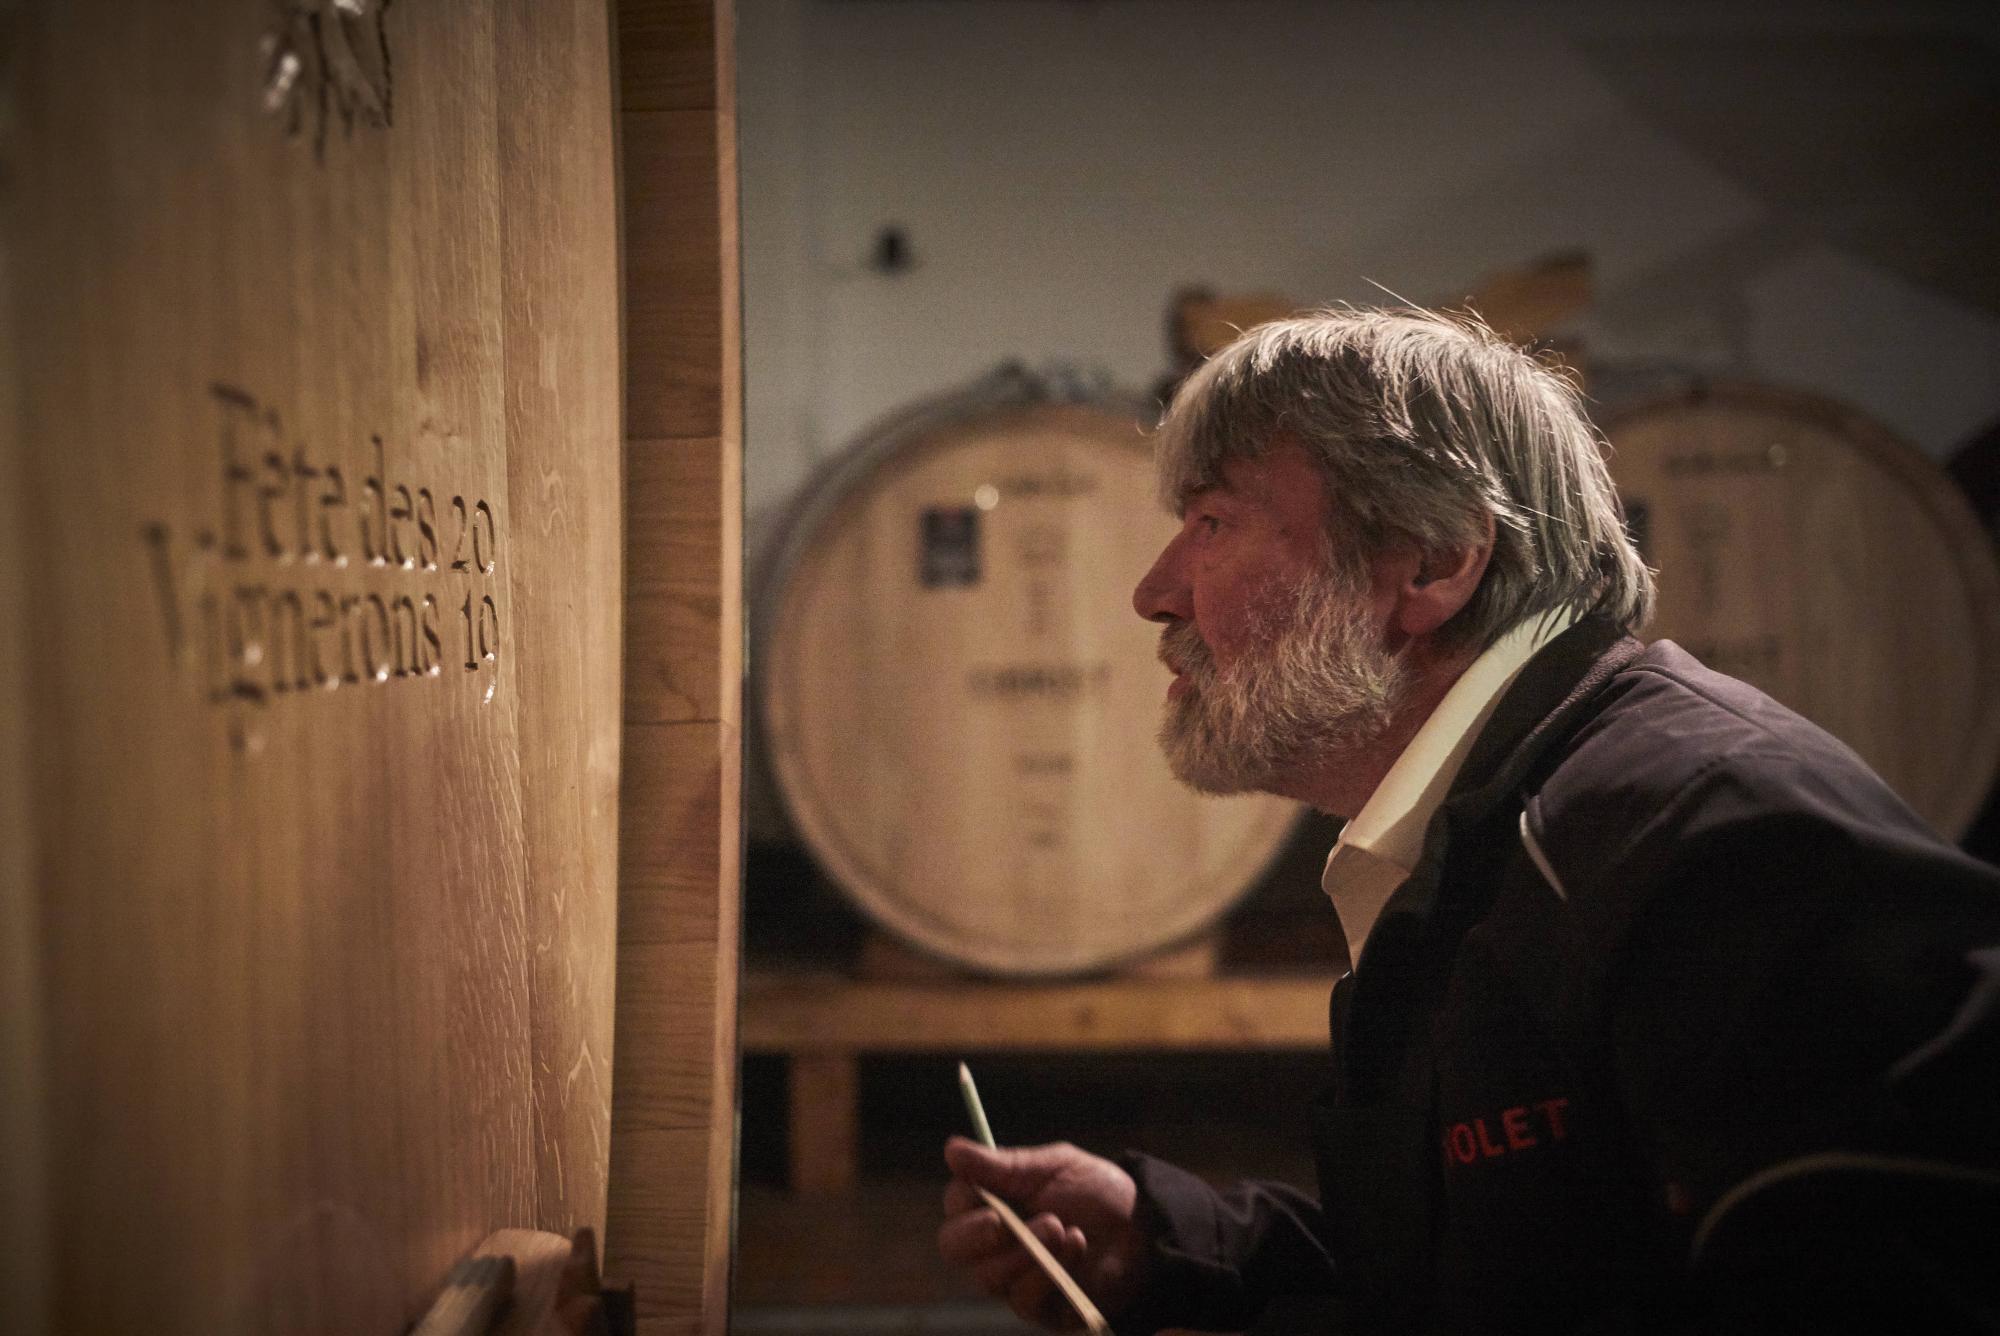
1662, 1012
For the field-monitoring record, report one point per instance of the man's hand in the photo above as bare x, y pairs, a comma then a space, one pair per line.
1081, 1208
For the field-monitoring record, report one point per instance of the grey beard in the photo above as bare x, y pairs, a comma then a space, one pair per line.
1317, 685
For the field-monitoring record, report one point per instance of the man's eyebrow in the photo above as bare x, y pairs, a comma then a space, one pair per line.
1211, 492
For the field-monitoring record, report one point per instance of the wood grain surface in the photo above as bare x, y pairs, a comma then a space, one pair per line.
24, 1202
1805, 549
811, 1013
1072, 1293
315, 329
961, 706
674, 1092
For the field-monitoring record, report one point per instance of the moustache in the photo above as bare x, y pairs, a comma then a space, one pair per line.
1184, 651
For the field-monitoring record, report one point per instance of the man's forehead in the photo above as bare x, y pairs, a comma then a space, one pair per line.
1206, 476
1279, 471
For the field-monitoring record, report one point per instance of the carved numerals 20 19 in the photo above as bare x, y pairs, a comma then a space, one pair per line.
301, 583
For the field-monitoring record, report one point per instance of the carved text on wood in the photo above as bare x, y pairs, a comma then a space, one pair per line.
320, 576
325, 60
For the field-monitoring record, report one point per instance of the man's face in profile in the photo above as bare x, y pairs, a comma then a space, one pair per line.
1316, 683
1277, 653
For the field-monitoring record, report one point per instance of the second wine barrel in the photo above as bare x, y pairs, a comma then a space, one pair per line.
1805, 548
960, 705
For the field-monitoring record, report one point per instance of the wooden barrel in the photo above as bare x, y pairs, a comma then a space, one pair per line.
1804, 548
960, 704
312, 440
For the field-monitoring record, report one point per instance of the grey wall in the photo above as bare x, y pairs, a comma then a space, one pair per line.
1800, 193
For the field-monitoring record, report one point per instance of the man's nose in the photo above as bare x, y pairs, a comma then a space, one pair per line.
1162, 594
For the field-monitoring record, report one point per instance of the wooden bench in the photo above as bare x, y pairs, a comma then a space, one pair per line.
822, 1023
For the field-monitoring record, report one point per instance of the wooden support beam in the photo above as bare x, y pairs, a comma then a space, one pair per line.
825, 1131
823, 1023
824, 1013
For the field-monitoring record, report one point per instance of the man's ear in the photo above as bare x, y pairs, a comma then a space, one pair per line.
1441, 584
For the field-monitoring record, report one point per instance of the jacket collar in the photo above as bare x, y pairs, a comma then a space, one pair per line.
1547, 702
1382, 846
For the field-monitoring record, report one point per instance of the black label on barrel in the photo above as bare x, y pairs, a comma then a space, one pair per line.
948, 554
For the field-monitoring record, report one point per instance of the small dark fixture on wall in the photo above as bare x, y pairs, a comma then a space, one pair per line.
891, 254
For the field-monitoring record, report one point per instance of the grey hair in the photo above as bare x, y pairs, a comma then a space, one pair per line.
1423, 424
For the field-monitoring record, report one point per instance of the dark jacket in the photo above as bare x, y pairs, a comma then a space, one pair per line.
1728, 1058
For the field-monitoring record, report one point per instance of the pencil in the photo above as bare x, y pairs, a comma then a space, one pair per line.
973, 1106
1093, 1320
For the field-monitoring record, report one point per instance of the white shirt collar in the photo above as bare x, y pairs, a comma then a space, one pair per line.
1380, 847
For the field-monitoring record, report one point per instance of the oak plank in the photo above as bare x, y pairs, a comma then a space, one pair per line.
550, 161
793, 1013
674, 1084
24, 1185
330, 966
675, 287
667, 55
824, 1120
